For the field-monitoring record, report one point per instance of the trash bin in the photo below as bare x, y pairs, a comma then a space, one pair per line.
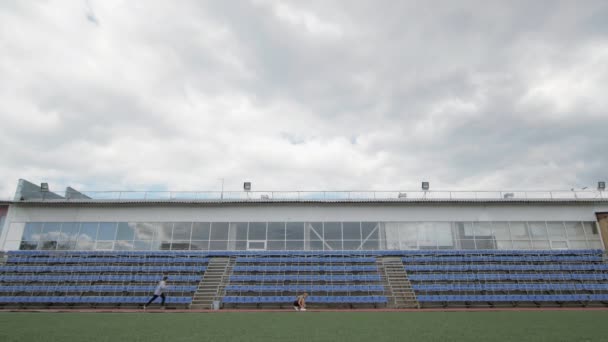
216, 305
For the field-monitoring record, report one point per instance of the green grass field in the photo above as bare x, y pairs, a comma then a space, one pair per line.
553, 326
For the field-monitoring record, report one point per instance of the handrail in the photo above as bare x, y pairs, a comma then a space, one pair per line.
338, 195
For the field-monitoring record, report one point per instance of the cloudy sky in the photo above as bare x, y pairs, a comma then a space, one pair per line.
106, 95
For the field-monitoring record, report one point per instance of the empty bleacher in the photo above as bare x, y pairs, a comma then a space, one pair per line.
508, 278
97, 279
344, 279
271, 280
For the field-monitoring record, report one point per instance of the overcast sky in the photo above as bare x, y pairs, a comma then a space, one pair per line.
316, 95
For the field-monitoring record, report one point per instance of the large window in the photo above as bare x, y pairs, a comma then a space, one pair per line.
347, 235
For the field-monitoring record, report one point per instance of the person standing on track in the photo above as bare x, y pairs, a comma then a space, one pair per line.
300, 303
159, 292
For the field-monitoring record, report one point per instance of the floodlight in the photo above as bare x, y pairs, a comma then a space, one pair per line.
425, 186
601, 185
247, 186
44, 187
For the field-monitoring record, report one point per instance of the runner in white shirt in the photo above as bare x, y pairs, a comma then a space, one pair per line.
159, 292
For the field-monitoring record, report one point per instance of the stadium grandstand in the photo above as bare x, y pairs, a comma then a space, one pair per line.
254, 249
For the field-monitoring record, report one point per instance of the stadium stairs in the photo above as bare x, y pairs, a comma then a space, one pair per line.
399, 291
211, 287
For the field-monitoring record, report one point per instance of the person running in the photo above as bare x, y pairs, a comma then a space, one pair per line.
300, 303
159, 292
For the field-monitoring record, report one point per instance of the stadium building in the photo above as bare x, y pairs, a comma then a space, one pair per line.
395, 249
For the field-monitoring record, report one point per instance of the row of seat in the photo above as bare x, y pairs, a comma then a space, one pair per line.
514, 298
69, 269
323, 253
94, 288
311, 299
88, 300
299, 277
507, 267
93, 278
306, 260
496, 258
104, 260
297, 268
510, 287
506, 276
303, 288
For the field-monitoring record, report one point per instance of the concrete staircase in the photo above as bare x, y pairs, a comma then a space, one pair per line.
214, 281
398, 287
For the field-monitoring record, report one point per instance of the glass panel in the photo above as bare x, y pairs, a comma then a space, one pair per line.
69, 231
522, 244
335, 245
578, 244
47, 245
217, 245
408, 234
84, 243
351, 244
367, 228
276, 231
51, 231
538, 230
519, 230
482, 230
32, 231
501, 231
146, 230
444, 234
595, 244
575, 230
240, 229
295, 230
28, 245
66, 245
466, 244
351, 231
200, 230
371, 245
559, 244
427, 235
240, 245
556, 230
219, 231
316, 245
504, 244
142, 245
123, 245
165, 232
484, 244
182, 231
125, 231
294, 245
332, 231
107, 231
539, 244
88, 232
104, 245
180, 245
275, 245
199, 245
256, 245
257, 231
591, 230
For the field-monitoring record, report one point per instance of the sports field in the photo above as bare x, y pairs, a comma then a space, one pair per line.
553, 326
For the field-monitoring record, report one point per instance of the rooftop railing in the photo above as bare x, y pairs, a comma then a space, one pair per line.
404, 195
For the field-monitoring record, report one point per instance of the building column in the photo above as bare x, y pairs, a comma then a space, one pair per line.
602, 219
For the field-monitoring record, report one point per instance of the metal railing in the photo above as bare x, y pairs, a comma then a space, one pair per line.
403, 195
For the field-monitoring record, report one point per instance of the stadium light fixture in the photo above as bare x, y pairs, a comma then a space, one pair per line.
247, 186
402, 195
601, 185
425, 186
44, 187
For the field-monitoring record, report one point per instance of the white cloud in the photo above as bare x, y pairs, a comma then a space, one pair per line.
292, 95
